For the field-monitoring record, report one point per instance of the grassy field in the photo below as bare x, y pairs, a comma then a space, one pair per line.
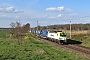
4, 33
32, 49
82, 36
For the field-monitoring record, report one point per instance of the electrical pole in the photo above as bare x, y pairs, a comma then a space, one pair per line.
70, 29
37, 29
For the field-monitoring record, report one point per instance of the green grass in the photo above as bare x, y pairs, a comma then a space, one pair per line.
33, 49
4, 33
84, 38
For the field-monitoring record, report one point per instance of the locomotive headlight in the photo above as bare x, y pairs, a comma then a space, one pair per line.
63, 38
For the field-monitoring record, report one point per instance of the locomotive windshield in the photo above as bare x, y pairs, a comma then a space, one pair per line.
63, 34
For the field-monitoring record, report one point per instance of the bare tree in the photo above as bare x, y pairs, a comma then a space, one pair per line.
19, 31
26, 28
12, 24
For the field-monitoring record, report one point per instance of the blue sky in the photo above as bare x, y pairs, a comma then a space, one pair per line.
46, 12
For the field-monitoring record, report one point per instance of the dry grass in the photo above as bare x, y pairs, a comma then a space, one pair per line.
76, 32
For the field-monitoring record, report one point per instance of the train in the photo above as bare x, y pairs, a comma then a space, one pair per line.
59, 37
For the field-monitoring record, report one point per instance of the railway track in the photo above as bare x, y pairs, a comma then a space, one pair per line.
77, 48
82, 50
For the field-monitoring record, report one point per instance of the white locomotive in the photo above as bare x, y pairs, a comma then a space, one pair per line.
58, 36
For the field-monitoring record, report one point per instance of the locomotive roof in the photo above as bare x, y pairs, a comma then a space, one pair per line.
55, 31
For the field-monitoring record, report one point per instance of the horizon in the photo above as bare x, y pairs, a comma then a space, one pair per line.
46, 25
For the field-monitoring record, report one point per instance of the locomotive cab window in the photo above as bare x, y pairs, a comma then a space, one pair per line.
63, 34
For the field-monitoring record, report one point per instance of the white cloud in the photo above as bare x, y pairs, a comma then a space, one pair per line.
68, 10
60, 8
73, 14
50, 9
10, 9
60, 15
4, 16
55, 9
16, 16
13, 10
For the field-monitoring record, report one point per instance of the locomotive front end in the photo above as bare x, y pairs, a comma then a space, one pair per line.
62, 37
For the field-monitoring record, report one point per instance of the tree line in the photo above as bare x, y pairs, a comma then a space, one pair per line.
66, 27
